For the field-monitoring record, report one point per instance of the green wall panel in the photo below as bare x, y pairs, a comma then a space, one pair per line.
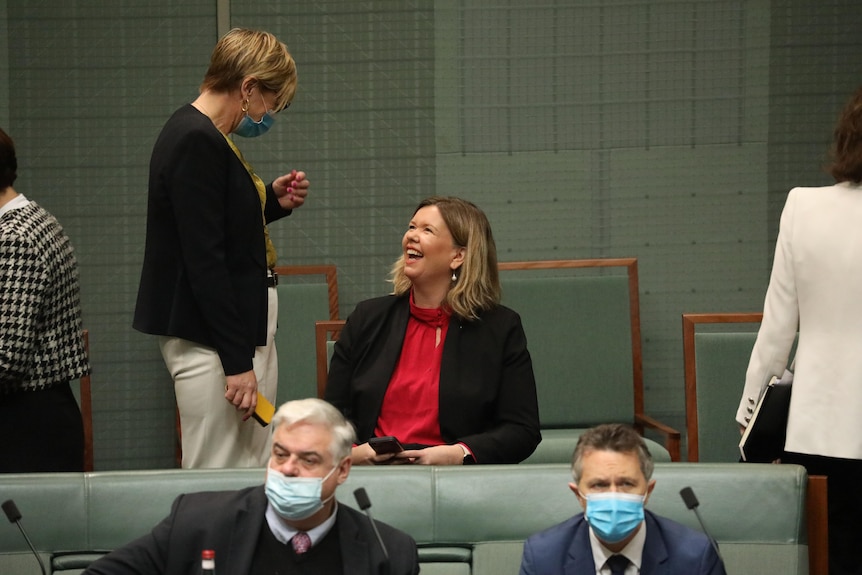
669, 131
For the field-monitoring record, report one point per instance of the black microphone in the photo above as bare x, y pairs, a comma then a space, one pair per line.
14, 516
364, 504
690, 500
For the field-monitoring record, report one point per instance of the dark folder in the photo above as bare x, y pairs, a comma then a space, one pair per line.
763, 440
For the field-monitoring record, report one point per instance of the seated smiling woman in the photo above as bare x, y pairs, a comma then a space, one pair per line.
439, 363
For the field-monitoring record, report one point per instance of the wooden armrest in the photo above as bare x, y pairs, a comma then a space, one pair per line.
672, 436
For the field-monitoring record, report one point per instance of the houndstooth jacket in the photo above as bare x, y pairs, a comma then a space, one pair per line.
40, 307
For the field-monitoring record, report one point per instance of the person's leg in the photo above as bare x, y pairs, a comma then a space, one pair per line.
266, 371
43, 431
845, 516
213, 432
844, 507
210, 425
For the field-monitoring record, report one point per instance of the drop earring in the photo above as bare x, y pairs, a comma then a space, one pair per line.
454, 277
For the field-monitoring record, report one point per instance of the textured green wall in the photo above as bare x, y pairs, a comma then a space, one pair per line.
669, 131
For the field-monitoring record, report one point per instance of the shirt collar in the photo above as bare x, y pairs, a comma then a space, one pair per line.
633, 551
284, 532
18, 202
435, 317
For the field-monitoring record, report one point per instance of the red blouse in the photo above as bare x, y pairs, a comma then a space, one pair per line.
411, 406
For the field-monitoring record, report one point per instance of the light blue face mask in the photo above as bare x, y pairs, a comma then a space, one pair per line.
248, 128
295, 498
613, 515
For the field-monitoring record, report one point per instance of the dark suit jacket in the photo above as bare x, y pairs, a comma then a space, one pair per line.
669, 549
487, 389
204, 272
229, 522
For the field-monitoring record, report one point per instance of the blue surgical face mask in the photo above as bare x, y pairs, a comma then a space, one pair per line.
248, 128
295, 498
613, 515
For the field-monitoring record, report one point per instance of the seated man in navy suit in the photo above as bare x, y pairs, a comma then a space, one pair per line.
612, 470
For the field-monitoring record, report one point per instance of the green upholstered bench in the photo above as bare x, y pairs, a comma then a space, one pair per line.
466, 520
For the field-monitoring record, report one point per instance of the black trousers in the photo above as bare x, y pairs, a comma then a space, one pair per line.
41, 431
845, 507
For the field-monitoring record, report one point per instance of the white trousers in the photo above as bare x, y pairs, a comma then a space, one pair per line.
213, 432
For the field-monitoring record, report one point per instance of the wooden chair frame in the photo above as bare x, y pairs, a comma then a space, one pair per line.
641, 420
689, 323
816, 505
322, 332
87, 408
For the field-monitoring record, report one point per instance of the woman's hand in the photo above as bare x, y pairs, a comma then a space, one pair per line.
241, 391
437, 455
363, 454
291, 189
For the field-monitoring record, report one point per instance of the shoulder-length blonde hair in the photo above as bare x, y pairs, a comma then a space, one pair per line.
477, 284
242, 52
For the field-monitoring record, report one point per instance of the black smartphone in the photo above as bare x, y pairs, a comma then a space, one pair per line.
386, 444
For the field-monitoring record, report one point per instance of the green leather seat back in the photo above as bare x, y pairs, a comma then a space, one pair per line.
558, 446
755, 511
149, 494
497, 558
402, 497
728, 493
579, 335
52, 507
299, 306
721, 360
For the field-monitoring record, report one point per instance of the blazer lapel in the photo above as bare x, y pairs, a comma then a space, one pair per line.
354, 547
654, 559
580, 554
394, 340
245, 532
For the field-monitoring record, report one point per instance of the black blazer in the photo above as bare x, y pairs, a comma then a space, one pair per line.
229, 522
204, 272
487, 389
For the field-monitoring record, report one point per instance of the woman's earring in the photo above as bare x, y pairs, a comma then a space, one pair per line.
245, 106
454, 277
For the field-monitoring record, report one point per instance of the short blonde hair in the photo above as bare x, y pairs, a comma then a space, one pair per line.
242, 52
477, 284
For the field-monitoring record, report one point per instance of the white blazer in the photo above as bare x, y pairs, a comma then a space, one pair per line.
816, 285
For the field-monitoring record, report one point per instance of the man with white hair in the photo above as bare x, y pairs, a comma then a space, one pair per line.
292, 524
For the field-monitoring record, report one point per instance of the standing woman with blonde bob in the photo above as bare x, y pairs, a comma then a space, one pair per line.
207, 288
816, 287
439, 364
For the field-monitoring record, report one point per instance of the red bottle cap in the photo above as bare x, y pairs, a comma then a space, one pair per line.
207, 554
